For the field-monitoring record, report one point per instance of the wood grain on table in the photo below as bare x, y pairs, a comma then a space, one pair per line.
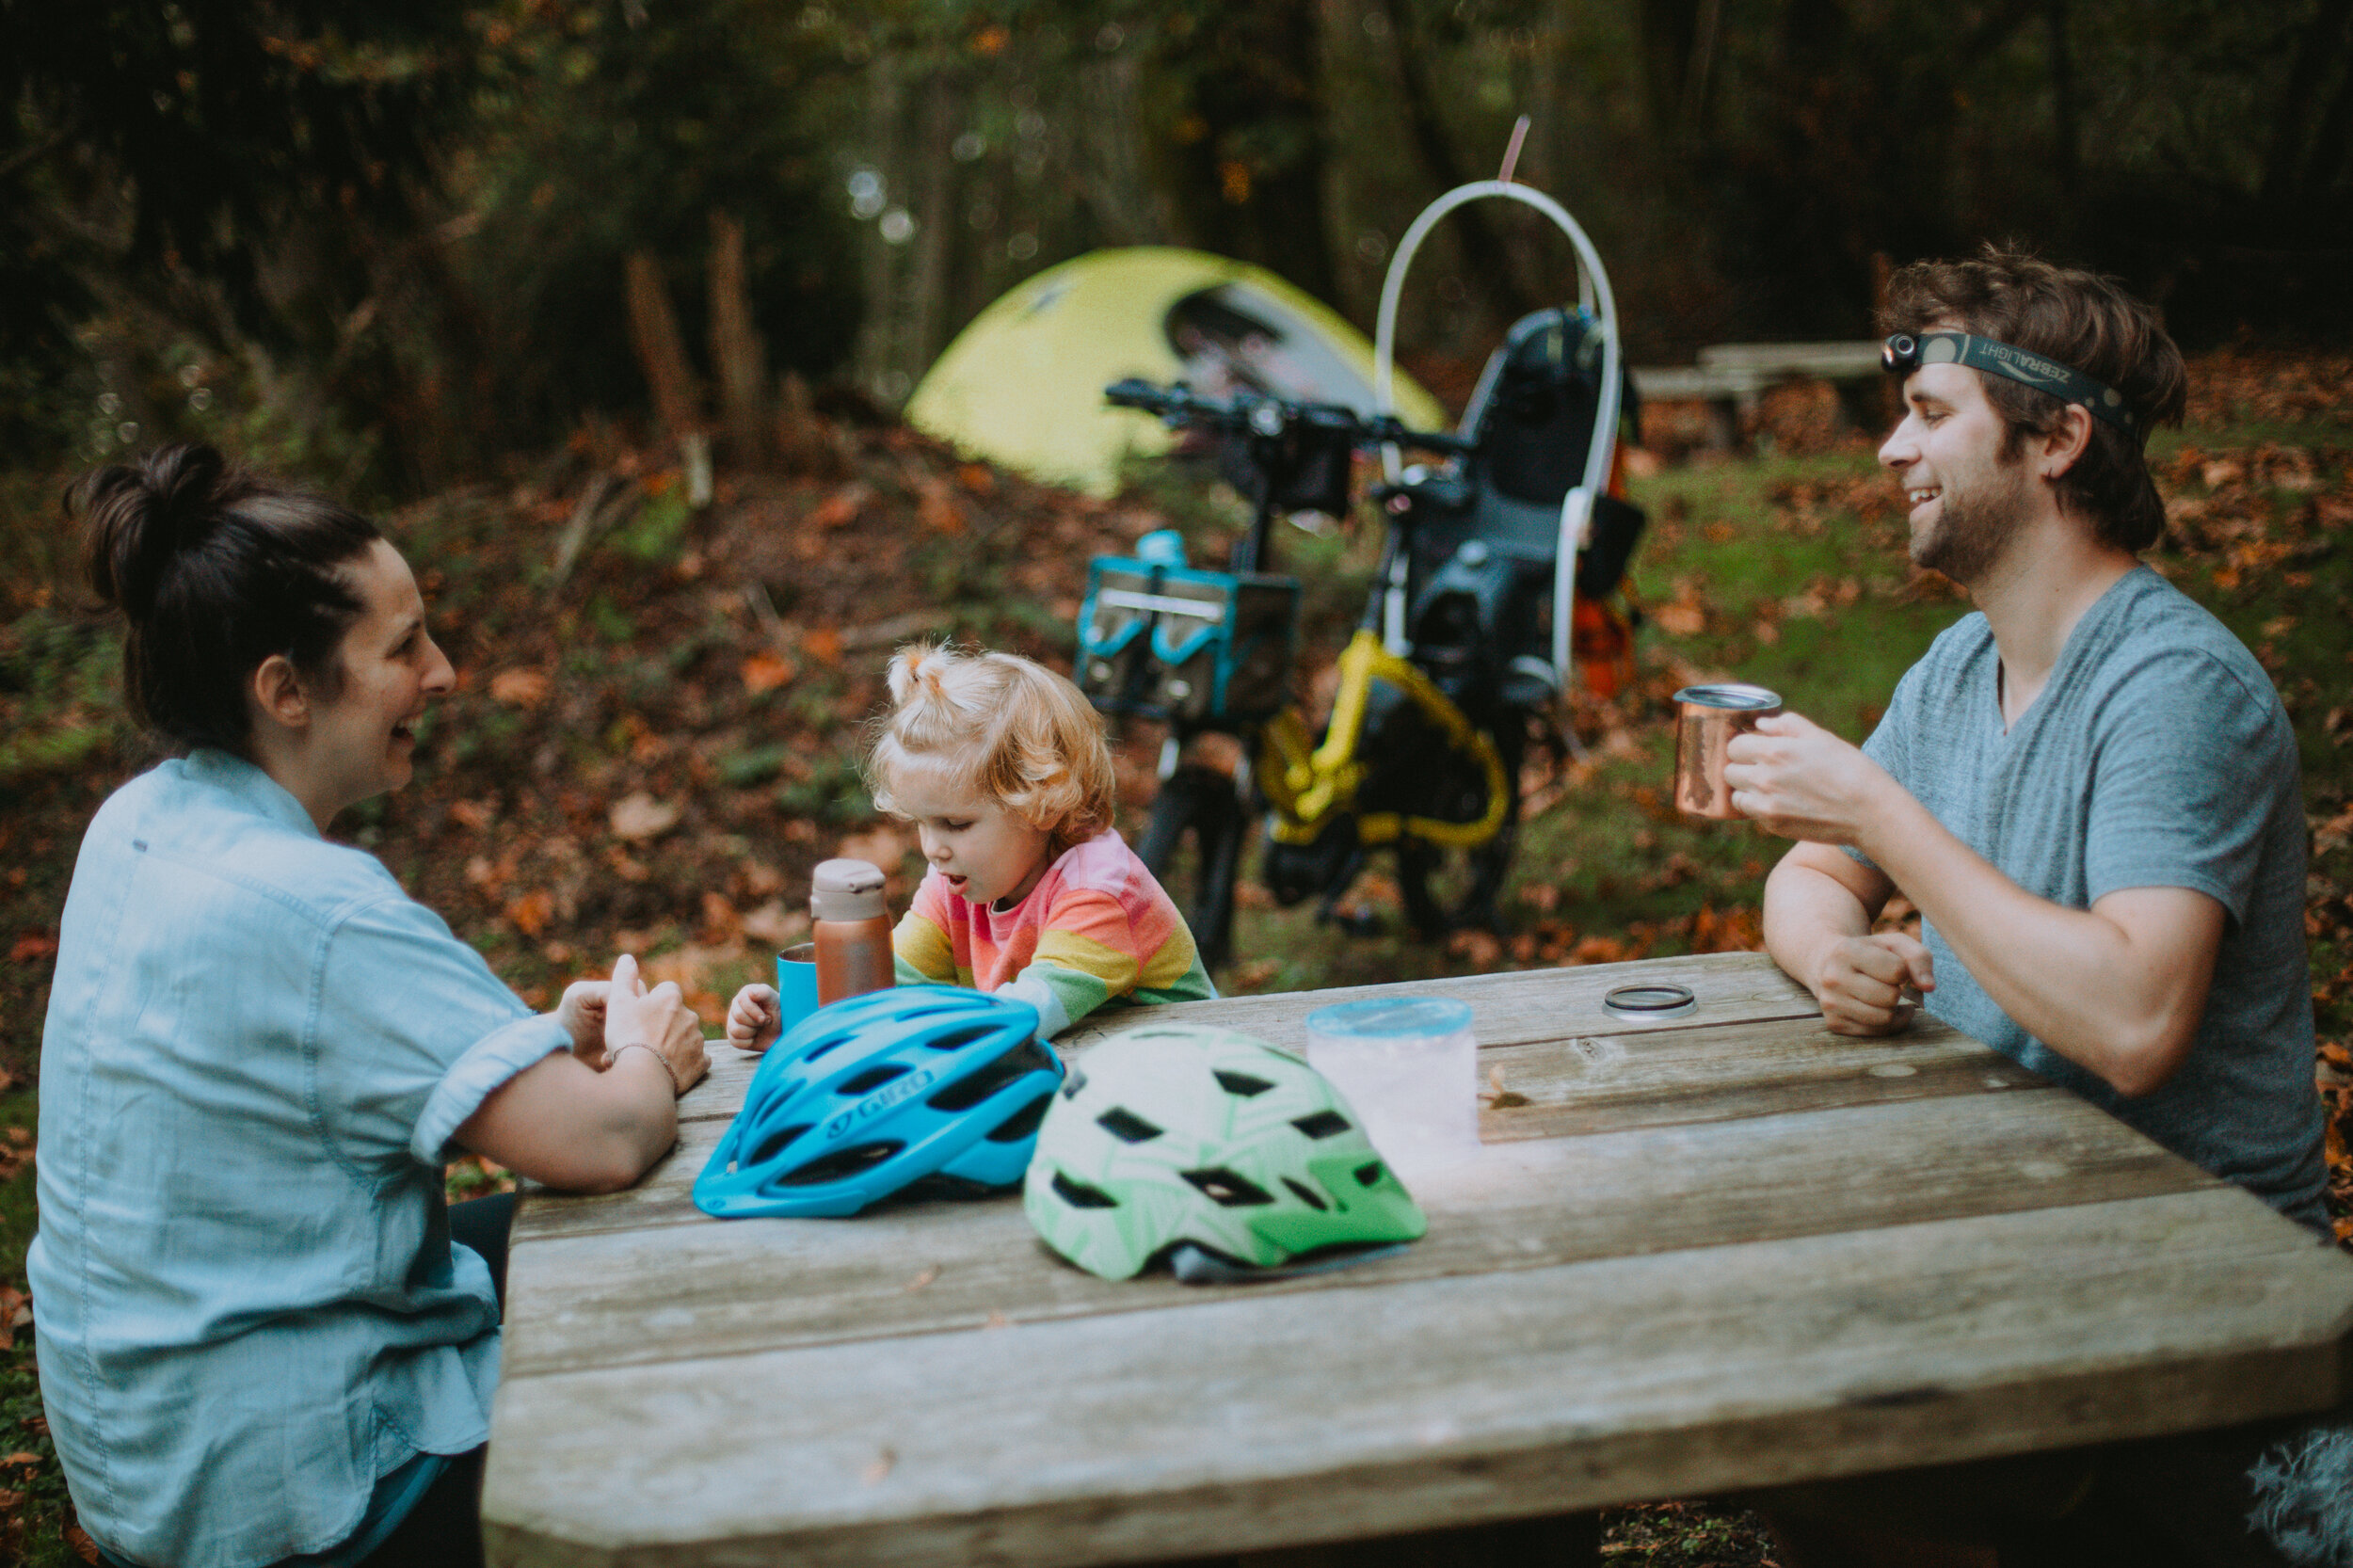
1730, 1250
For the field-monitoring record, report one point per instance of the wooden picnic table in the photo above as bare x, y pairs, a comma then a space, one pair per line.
1728, 1251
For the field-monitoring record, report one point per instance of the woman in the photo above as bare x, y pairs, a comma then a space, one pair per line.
258, 1341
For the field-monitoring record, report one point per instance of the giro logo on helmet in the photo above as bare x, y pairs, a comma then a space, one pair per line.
905, 1086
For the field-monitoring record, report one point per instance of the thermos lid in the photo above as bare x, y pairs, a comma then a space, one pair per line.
846, 890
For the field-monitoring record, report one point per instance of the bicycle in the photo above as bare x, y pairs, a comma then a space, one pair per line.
1446, 672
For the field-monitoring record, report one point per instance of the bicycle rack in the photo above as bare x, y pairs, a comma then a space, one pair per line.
1576, 508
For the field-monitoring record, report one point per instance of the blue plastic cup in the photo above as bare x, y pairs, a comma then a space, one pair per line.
1409, 1067
796, 985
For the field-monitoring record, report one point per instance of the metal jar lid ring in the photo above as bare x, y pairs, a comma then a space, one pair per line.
1643, 1003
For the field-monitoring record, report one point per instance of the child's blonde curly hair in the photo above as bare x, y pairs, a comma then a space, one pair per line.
1015, 729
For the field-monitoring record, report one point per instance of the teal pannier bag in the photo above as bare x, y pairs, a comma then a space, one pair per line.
1199, 649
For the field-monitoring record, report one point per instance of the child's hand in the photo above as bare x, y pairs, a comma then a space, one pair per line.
581, 1014
754, 1019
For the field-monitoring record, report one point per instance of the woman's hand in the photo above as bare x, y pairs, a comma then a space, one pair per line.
754, 1019
1872, 984
581, 1014
634, 1015
1804, 782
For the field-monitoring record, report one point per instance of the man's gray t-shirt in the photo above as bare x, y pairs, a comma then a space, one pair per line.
2158, 756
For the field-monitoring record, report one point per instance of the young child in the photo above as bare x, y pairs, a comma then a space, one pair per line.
1001, 765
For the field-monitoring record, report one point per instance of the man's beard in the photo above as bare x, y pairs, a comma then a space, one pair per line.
1974, 529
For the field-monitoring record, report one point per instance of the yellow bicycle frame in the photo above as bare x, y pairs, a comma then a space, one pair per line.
1307, 783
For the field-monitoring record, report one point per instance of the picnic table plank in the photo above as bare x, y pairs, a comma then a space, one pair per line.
1207, 1425
622, 1296
1510, 1009
1661, 1077
1516, 1005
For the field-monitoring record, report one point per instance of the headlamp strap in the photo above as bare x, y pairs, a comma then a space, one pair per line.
1905, 353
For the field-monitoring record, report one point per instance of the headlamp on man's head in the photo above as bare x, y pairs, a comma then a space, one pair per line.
1907, 352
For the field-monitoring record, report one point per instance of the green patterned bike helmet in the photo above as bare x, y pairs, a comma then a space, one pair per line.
1175, 1135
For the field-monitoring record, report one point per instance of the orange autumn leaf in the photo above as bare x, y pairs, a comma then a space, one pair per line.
841, 508
765, 671
824, 643
1682, 617
531, 913
519, 688
33, 947
937, 511
1251, 973
1482, 950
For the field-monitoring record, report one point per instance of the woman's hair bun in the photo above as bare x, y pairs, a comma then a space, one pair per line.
137, 519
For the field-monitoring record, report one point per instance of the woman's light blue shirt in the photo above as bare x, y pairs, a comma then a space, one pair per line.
257, 1051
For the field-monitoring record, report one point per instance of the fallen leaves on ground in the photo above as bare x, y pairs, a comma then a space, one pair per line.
638, 817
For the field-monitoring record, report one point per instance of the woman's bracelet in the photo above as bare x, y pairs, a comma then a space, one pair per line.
677, 1088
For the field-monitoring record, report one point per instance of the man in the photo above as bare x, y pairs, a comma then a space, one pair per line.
2088, 787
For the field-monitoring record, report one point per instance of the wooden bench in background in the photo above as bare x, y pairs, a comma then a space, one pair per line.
1731, 378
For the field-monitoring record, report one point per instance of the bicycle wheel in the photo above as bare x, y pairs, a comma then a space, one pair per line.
1192, 844
1447, 888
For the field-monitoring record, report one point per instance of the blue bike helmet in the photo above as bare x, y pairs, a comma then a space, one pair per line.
878, 1091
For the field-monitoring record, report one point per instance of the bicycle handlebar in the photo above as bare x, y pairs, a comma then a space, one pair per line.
1257, 414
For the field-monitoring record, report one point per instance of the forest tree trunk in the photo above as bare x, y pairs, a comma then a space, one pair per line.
739, 359
654, 332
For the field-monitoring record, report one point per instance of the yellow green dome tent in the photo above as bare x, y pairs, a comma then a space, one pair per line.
1022, 385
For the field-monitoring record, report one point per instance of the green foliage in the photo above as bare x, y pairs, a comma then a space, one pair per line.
741, 770
832, 792
218, 167
654, 535
609, 128
59, 679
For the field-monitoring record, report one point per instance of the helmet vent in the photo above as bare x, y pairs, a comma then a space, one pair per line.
1228, 1189
1323, 1124
1306, 1195
1243, 1084
841, 1164
1127, 1125
1027, 1058
1022, 1123
1077, 1194
1368, 1175
775, 1144
956, 1039
871, 1078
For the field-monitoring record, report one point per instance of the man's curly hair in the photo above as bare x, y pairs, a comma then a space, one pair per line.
2081, 320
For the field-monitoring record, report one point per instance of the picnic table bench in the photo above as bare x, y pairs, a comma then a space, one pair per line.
1732, 377
1729, 1251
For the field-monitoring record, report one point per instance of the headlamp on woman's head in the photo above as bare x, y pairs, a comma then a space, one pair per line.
1906, 352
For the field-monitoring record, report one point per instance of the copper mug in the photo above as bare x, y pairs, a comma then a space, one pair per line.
1706, 719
